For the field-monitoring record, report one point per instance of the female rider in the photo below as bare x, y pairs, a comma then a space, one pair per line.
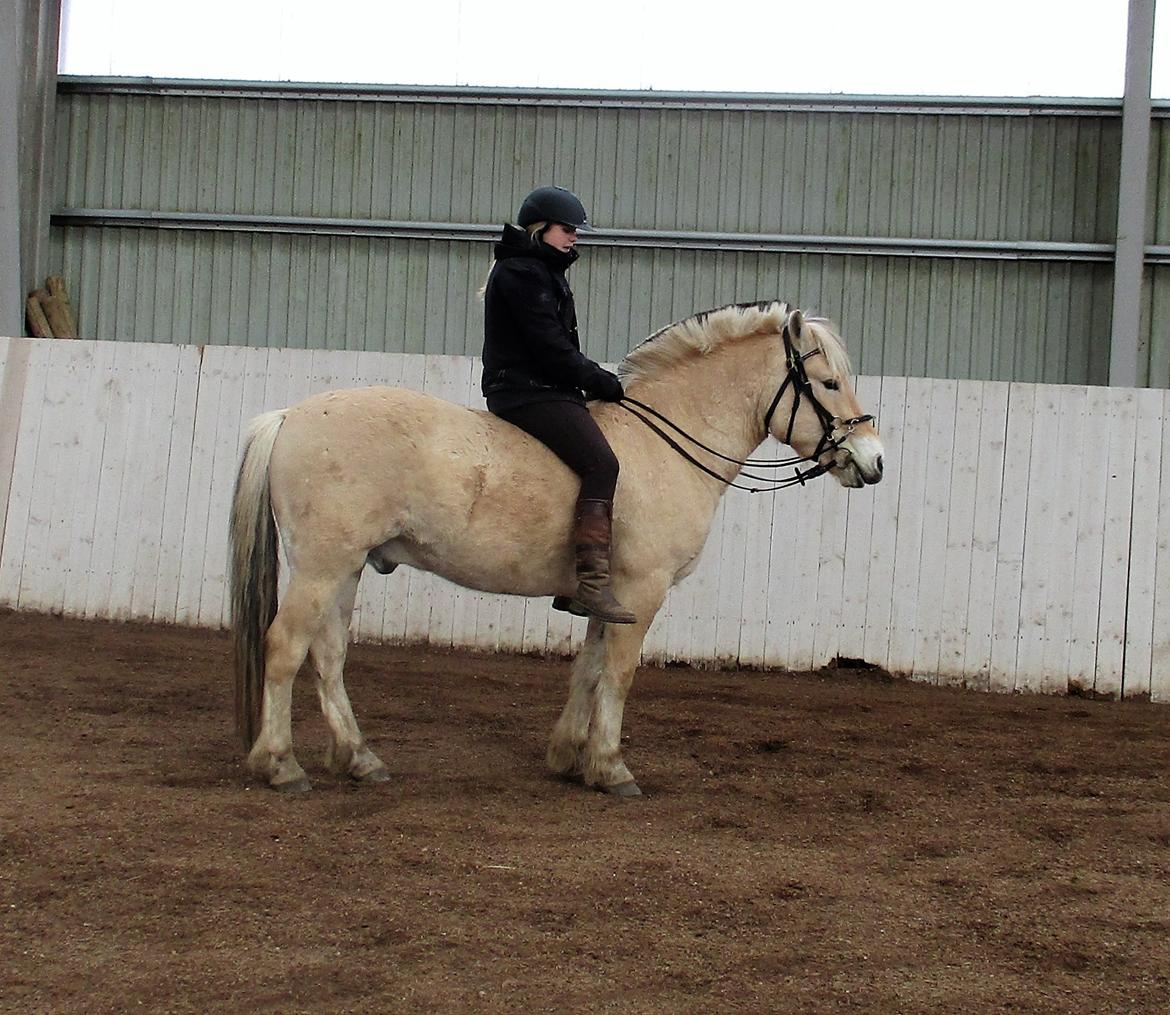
534, 376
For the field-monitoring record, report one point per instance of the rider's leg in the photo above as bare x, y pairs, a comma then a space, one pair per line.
568, 430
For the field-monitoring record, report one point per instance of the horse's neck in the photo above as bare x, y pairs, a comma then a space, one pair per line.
713, 400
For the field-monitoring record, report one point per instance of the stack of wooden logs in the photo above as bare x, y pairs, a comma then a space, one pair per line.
49, 312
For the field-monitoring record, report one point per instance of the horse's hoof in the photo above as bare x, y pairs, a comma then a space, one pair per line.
301, 785
625, 790
379, 774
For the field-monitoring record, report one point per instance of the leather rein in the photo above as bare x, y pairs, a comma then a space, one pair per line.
797, 376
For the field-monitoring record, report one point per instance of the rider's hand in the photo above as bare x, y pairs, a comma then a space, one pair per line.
606, 386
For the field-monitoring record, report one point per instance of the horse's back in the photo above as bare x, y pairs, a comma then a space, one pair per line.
375, 426
363, 466
382, 406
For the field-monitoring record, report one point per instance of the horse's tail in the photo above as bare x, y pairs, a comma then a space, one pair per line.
253, 539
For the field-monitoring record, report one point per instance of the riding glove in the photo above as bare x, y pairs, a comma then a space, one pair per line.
606, 386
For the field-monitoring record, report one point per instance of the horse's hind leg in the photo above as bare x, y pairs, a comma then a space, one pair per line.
286, 643
348, 753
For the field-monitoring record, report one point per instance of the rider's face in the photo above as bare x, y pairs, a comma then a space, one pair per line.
561, 237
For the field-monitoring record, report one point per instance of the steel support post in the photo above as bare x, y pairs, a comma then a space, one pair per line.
1127, 352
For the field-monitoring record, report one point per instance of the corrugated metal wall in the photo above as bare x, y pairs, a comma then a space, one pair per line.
1156, 308
970, 242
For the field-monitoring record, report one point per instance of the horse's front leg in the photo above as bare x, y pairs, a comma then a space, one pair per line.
603, 765
611, 654
566, 748
348, 753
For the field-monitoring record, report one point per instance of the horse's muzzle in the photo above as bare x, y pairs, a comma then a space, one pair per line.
858, 467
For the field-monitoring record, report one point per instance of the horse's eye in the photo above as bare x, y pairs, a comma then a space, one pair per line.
831, 384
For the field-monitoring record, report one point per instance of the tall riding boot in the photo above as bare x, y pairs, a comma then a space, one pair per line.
592, 535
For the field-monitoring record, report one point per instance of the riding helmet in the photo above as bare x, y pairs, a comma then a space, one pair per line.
553, 204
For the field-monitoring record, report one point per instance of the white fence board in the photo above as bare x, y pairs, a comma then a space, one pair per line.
733, 564
827, 617
23, 492
1009, 564
91, 434
196, 527
933, 560
1160, 642
155, 445
803, 520
229, 365
1117, 548
1086, 588
14, 357
860, 553
1018, 541
1147, 488
980, 619
178, 485
1066, 447
116, 412
68, 368
756, 575
40, 577
881, 542
962, 498
134, 505
911, 492
1039, 548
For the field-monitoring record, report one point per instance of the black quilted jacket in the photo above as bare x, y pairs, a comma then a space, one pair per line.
531, 352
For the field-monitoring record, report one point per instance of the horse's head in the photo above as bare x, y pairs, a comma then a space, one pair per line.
819, 415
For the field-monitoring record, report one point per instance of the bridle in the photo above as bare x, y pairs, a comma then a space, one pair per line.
834, 431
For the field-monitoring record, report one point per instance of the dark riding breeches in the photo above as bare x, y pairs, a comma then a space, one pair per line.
568, 430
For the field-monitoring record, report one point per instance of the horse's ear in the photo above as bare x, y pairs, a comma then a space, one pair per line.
794, 322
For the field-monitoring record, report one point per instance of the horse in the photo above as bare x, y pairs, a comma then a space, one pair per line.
387, 477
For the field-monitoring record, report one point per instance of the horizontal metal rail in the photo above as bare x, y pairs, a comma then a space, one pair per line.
605, 98
998, 250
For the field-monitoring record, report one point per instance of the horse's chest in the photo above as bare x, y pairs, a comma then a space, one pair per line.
688, 567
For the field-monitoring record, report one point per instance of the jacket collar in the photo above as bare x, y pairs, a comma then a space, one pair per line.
515, 242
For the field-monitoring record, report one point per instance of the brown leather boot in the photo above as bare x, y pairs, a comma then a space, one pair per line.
592, 535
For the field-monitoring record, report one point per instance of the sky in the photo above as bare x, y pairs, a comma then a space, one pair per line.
1072, 48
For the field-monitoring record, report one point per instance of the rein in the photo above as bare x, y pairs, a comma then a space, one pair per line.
797, 376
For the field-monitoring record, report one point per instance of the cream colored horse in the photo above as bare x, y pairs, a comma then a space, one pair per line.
388, 476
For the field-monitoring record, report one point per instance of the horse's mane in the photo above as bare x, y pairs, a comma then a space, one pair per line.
700, 333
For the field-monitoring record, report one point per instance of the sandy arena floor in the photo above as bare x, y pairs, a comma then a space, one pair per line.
807, 843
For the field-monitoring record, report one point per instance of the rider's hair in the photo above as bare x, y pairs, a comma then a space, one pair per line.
535, 232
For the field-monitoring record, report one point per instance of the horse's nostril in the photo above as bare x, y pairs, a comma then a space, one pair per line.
879, 464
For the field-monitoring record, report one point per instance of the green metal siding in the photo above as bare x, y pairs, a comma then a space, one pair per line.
915, 316
998, 176
940, 176
1155, 325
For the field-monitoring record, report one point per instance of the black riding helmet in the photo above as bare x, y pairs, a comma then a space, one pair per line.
553, 204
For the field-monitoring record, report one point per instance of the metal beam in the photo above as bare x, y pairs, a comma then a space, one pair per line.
967, 105
12, 14
42, 33
890, 246
29, 32
1127, 352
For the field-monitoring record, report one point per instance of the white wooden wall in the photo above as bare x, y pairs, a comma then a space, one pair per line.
1017, 542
